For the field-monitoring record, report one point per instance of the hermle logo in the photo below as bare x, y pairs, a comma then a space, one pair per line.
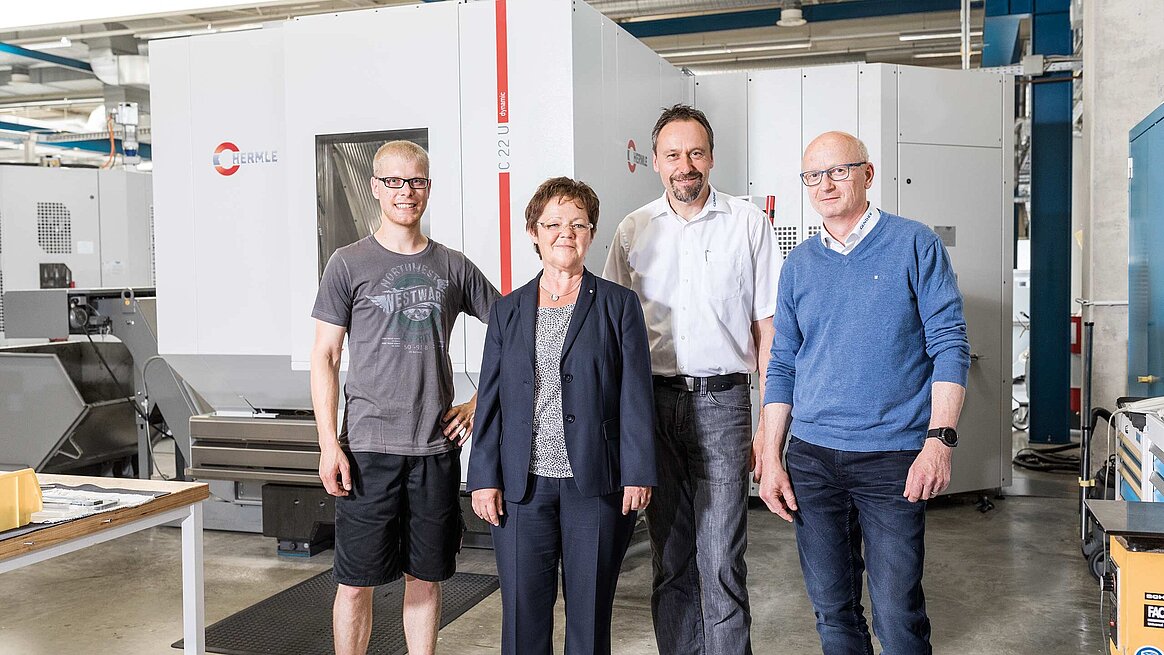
228, 158
633, 158
1149, 650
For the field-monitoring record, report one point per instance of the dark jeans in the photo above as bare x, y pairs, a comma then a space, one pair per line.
846, 498
588, 536
698, 521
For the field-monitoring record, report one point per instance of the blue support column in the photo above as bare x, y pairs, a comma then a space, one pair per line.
1050, 384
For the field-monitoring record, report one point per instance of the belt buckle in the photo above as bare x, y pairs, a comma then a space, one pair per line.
690, 382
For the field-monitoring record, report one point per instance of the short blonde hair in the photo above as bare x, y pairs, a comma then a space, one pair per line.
406, 150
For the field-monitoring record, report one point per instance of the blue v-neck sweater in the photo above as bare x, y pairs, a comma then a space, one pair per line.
861, 337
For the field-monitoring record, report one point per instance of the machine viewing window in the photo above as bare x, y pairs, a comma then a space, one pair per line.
347, 211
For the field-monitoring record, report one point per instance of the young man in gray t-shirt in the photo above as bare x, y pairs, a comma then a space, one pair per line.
394, 465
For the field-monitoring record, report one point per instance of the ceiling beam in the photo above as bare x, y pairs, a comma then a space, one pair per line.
45, 56
736, 20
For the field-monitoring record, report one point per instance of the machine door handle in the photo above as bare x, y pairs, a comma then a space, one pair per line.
975, 357
1147, 379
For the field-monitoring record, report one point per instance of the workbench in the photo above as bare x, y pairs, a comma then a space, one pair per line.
182, 501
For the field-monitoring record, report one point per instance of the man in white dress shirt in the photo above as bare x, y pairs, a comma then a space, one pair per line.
705, 268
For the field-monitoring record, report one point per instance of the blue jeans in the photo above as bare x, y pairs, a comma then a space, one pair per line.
698, 522
846, 498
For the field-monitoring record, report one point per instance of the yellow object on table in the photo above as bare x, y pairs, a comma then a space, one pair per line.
19, 498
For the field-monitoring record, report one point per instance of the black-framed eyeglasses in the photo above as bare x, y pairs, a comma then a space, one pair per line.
558, 228
836, 173
399, 182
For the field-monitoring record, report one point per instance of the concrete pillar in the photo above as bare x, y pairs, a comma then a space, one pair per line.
1123, 80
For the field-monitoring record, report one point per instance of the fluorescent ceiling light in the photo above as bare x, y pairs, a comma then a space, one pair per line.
209, 29
941, 55
64, 102
739, 48
62, 42
931, 36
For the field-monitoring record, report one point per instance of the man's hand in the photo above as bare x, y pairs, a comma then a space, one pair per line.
930, 473
459, 421
334, 471
757, 461
776, 491
635, 498
488, 505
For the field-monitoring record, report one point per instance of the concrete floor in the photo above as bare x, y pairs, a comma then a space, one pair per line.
1008, 581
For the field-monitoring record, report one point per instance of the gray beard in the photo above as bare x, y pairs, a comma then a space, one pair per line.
684, 196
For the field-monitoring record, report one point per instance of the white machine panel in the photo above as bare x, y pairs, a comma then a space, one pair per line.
221, 222
127, 242
829, 102
877, 127
938, 107
724, 98
964, 209
49, 216
612, 115
953, 175
357, 61
774, 136
95, 222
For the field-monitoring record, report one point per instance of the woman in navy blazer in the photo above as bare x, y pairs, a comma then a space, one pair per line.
563, 454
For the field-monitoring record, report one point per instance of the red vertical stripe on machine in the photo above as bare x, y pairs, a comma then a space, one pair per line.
503, 176
503, 210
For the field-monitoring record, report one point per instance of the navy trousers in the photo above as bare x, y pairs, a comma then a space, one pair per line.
588, 537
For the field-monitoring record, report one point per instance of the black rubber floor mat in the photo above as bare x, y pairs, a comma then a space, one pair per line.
298, 621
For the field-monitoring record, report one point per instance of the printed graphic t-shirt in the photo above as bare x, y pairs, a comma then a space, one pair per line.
399, 311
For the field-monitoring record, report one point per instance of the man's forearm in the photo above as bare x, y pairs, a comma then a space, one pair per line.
946, 404
325, 397
762, 333
776, 419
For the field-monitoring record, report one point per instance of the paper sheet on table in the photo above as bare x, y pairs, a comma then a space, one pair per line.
56, 512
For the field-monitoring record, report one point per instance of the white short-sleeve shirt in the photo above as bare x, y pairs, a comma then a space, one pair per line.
702, 282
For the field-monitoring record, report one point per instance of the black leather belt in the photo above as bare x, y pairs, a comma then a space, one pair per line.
712, 383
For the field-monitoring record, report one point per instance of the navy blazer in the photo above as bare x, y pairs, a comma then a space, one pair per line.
607, 394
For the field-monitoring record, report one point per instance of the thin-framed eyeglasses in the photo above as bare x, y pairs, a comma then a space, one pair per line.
836, 173
558, 228
399, 182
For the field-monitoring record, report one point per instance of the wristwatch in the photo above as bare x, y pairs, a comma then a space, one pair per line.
949, 436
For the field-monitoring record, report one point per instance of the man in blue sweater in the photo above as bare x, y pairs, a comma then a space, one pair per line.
867, 376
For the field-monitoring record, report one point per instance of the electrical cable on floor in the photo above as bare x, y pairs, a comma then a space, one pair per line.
1049, 460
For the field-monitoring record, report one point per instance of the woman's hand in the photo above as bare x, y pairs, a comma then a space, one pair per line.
633, 499
487, 505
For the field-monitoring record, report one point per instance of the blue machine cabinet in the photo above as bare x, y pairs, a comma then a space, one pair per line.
1146, 261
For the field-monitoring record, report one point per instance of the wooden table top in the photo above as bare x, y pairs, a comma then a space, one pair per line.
178, 494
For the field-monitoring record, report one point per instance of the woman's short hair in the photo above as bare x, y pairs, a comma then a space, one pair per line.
561, 188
